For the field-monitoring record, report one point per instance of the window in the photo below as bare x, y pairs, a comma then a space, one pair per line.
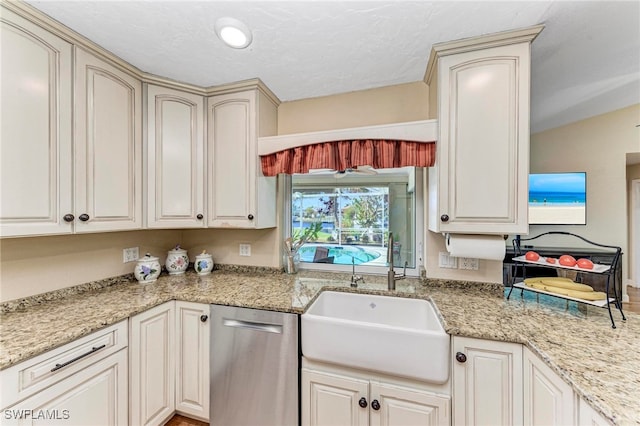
347, 218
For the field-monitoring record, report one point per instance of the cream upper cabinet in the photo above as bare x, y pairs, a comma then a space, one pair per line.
192, 359
487, 382
108, 146
548, 400
35, 139
174, 159
479, 184
239, 196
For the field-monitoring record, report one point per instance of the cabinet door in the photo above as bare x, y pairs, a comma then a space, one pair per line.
108, 147
35, 138
174, 159
192, 359
590, 417
480, 182
407, 407
487, 386
96, 395
332, 400
152, 365
548, 400
238, 195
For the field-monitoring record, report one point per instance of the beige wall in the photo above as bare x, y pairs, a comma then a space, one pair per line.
392, 104
598, 146
633, 172
36, 265
39, 264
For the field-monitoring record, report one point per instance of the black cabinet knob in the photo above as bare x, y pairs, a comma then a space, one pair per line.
375, 404
363, 402
204, 318
444, 218
250, 217
460, 357
200, 216
84, 217
68, 217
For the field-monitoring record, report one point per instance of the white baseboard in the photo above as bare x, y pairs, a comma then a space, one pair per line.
632, 283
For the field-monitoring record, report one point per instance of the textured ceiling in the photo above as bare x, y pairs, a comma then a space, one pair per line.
585, 62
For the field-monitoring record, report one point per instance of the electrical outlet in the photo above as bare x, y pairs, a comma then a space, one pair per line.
245, 249
468, 263
130, 254
445, 260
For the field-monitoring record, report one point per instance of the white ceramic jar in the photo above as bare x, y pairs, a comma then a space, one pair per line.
177, 261
204, 263
147, 270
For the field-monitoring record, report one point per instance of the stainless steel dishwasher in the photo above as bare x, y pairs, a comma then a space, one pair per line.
254, 367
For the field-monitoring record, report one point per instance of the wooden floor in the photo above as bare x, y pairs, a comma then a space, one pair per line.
634, 300
178, 420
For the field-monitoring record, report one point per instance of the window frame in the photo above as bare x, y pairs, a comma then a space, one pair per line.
357, 180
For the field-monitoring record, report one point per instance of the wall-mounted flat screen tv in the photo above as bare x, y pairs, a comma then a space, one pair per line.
558, 198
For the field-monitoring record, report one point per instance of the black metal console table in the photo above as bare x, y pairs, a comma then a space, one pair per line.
608, 267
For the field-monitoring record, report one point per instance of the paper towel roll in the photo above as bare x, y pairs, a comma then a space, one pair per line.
490, 247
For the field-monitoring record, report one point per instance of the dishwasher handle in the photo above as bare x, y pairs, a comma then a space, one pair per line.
257, 326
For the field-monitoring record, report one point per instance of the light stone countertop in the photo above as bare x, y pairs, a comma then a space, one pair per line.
600, 363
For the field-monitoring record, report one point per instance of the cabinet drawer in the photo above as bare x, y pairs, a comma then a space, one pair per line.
31, 376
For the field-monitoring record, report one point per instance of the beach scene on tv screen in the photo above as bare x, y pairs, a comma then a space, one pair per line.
557, 198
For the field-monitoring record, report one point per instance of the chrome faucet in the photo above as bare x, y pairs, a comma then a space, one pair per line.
355, 278
391, 275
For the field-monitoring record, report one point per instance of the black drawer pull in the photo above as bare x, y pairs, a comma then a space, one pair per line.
93, 349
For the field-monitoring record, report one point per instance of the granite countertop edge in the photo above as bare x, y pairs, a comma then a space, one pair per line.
244, 281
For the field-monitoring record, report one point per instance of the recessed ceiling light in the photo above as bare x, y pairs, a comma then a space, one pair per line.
233, 32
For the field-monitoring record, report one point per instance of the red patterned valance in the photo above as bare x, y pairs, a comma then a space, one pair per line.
342, 155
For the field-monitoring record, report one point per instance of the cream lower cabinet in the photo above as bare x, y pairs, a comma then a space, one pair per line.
587, 416
336, 399
36, 133
84, 382
174, 159
169, 363
239, 196
192, 359
152, 365
480, 179
487, 382
96, 395
548, 400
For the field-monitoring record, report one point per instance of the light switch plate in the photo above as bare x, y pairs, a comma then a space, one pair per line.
445, 260
245, 249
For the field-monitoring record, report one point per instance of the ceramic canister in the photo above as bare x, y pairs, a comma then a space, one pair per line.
204, 263
177, 261
147, 269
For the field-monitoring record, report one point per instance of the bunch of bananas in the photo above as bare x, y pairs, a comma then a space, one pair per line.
565, 287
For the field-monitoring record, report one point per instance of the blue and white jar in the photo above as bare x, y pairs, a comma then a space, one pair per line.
147, 270
203, 264
177, 261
